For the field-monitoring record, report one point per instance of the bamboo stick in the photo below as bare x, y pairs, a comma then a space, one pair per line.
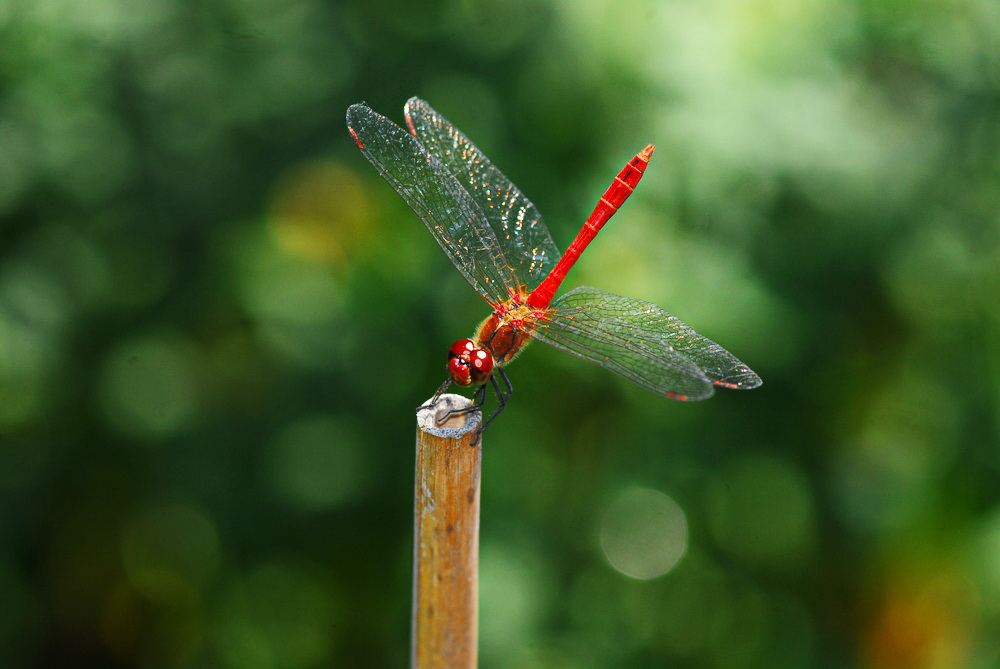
446, 538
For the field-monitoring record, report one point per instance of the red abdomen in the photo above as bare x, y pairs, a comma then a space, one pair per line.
613, 197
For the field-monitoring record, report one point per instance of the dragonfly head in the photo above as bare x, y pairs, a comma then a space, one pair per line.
469, 364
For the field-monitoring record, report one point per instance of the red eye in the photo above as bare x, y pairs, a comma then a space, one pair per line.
468, 364
462, 346
482, 366
460, 372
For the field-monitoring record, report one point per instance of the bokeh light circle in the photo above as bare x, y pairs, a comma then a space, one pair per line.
644, 533
317, 463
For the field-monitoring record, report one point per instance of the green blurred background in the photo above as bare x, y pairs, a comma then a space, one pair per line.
216, 320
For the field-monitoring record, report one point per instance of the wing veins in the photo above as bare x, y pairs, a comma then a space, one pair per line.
586, 321
433, 193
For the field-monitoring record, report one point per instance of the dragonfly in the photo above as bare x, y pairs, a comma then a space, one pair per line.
497, 240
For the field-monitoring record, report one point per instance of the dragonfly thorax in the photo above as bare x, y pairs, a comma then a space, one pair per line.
506, 331
469, 364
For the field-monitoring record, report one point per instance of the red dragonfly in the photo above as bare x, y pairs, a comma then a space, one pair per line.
496, 238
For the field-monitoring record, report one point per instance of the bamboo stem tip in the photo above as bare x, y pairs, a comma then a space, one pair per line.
454, 426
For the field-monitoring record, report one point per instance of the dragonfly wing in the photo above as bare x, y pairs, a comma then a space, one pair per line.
454, 218
643, 343
515, 221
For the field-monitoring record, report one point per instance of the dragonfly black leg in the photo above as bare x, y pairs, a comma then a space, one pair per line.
477, 403
502, 396
437, 394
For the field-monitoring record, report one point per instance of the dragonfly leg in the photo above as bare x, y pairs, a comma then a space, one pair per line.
477, 403
502, 396
437, 395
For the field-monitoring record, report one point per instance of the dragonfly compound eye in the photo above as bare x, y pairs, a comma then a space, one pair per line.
468, 364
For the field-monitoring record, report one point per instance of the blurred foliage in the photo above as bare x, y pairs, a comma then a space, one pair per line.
216, 320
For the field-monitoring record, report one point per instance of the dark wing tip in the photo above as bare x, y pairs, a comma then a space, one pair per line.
414, 103
356, 111
357, 140
749, 379
745, 379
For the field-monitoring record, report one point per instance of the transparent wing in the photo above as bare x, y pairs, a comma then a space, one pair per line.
523, 236
643, 343
454, 218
